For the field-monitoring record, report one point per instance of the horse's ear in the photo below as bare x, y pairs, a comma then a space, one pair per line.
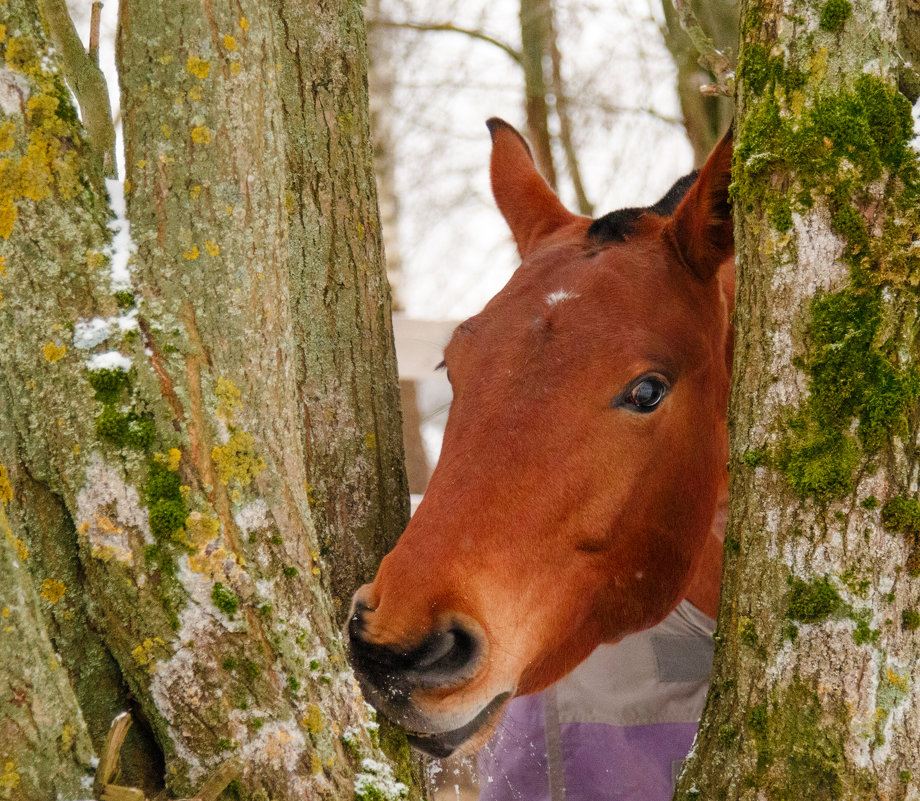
701, 227
525, 200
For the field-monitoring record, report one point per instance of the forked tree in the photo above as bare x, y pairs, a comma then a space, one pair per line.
199, 422
815, 690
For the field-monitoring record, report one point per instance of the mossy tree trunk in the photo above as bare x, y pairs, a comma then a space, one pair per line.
201, 455
815, 692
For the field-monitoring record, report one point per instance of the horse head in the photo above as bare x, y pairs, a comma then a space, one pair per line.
582, 461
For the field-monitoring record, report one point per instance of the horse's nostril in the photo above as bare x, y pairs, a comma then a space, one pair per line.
445, 655
438, 646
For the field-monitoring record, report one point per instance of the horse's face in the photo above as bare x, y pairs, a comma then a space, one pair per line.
581, 461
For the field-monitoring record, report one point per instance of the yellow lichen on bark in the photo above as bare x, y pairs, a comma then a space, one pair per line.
52, 591
6, 491
198, 67
18, 545
9, 779
54, 353
237, 460
6, 135
201, 135
228, 399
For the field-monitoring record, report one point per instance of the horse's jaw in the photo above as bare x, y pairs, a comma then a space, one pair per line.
442, 726
466, 739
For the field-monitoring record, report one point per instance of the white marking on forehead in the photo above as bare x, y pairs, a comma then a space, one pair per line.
554, 298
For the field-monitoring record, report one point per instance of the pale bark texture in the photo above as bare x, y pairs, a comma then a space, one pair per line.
203, 458
815, 691
46, 749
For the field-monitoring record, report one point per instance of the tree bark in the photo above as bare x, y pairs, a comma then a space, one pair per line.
45, 749
814, 692
187, 445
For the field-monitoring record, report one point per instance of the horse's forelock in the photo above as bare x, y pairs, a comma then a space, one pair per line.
619, 225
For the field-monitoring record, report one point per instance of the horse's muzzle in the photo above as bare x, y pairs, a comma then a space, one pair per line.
392, 676
445, 657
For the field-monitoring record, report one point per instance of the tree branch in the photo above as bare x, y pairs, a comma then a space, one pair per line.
87, 82
450, 28
95, 19
711, 59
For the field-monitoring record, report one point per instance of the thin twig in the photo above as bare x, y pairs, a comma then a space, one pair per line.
94, 20
450, 28
115, 792
87, 82
711, 59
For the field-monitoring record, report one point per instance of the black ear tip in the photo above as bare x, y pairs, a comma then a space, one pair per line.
496, 124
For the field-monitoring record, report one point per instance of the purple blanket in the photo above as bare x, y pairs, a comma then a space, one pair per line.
615, 729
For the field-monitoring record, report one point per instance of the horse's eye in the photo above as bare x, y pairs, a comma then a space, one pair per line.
645, 395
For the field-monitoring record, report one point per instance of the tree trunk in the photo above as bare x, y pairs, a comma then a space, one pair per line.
814, 692
536, 20
204, 453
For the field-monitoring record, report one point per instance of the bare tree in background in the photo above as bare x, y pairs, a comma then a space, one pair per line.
706, 117
615, 117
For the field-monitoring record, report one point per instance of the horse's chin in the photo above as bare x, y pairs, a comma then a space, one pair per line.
465, 739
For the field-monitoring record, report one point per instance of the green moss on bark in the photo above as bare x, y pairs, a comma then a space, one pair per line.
835, 147
225, 599
902, 515
801, 746
812, 602
835, 14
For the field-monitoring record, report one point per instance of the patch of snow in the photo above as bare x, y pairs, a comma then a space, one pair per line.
127, 322
88, 334
915, 142
122, 247
110, 360
376, 780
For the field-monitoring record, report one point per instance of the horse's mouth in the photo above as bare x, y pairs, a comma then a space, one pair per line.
445, 743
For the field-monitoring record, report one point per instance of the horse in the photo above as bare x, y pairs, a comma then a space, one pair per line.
583, 463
